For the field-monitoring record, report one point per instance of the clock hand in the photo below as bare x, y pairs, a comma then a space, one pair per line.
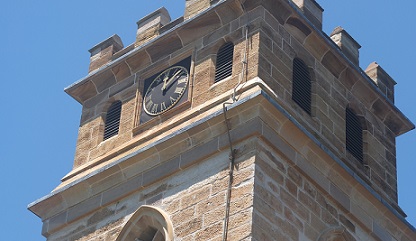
165, 78
171, 79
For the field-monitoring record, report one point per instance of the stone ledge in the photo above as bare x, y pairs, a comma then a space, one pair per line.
256, 128
141, 140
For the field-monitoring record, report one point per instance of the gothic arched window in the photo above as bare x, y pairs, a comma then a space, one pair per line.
147, 224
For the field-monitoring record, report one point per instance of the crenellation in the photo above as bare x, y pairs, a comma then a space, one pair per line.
194, 7
383, 80
347, 44
149, 26
102, 53
312, 11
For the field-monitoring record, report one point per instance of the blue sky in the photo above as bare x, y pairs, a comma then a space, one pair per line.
44, 48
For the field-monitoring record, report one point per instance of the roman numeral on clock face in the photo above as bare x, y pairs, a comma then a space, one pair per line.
162, 106
149, 104
154, 108
179, 90
182, 80
172, 100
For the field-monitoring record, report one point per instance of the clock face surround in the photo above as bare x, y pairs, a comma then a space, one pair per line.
165, 90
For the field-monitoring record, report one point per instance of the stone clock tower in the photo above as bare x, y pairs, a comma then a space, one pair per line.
241, 120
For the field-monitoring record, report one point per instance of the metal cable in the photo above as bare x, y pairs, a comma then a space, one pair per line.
232, 151
244, 63
231, 173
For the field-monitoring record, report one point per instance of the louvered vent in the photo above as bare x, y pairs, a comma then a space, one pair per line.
354, 135
224, 66
112, 120
301, 85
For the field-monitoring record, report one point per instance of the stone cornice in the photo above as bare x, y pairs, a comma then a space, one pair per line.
397, 121
59, 205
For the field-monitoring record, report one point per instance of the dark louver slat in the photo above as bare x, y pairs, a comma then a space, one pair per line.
224, 63
112, 120
354, 135
302, 85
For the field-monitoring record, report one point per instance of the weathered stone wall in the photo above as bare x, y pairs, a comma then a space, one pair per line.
336, 86
302, 198
195, 199
90, 144
281, 173
290, 206
285, 188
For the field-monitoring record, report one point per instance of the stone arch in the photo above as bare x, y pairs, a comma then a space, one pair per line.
359, 110
212, 48
360, 166
102, 108
148, 223
297, 28
335, 234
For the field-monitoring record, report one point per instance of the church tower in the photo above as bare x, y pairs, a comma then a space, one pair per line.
241, 120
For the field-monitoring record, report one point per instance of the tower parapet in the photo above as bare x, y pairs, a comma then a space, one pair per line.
347, 44
312, 10
383, 80
103, 52
149, 26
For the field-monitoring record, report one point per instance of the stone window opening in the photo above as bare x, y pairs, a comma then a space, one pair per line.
148, 223
354, 135
224, 62
302, 85
112, 120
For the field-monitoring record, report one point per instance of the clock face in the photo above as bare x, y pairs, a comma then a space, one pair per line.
165, 90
